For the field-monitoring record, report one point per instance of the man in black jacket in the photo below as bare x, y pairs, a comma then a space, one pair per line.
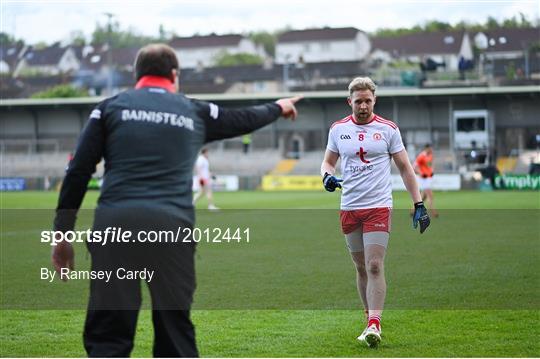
149, 137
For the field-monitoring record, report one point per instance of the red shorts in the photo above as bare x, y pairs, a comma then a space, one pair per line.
370, 220
203, 182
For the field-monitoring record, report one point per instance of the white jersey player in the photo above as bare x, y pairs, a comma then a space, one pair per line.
204, 179
366, 144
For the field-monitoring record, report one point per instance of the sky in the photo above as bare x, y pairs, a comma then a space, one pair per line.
50, 21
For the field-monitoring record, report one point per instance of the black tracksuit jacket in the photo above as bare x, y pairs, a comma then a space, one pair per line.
150, 138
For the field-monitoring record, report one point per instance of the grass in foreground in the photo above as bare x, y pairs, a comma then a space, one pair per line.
296, 333
499, 332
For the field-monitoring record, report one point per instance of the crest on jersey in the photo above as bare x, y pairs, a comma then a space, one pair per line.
377, 136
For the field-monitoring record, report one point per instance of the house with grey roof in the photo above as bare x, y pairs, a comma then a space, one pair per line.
322, 45
449, 46
441, 47
507, 43
10, 55
52, 60
201, 51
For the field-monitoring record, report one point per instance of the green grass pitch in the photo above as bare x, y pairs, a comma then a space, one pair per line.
469, 287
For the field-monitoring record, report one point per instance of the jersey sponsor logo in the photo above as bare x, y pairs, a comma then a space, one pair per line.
361, 154
166, 118
345, 137
377, 136
357, 169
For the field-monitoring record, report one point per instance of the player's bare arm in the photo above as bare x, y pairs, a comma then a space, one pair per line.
329, 162
328, 168
406, 171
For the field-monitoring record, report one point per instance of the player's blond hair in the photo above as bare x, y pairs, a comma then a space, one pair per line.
362, 83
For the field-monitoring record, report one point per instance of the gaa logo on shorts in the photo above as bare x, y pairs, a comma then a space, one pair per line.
377, 136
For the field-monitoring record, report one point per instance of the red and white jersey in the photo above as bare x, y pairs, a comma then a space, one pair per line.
202, 168
365, 160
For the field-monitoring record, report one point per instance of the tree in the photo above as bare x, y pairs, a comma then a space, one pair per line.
60, 91
510, 23
266, 40
434, 25
226, 59
491, 23
119, 38
524, 22
6, 39
77, 38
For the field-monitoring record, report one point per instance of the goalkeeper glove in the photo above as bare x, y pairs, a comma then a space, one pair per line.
331, 182
420, 216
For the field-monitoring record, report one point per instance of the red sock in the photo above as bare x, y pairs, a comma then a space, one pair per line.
375, 319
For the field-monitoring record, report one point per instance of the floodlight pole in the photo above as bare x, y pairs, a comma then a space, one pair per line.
109, 53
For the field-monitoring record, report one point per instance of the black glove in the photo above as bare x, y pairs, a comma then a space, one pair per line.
420, 215
331, 182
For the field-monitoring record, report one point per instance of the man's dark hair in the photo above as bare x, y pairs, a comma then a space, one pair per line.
155, 60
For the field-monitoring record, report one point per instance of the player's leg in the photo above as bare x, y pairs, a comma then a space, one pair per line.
356, 248
171, 291
200, 192
109, 333
375, 250
197, 196
376, 286
361, 285
206, 189
353, 237
209, 195
422, 185
376, 234
174, 334
111, 318
430, 202
361, 278
427, 195
428, 198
